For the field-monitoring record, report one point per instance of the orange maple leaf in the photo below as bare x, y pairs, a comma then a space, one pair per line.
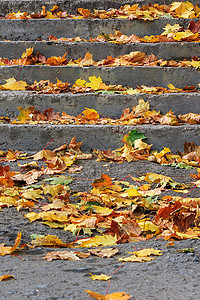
104, 182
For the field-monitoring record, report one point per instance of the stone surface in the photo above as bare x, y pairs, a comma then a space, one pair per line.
135, 75
107, 105
71, 6
85, 28
36, 137
76, 50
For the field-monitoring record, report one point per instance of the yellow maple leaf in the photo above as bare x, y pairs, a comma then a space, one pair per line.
28, 52
52, 215
49, 240
7, 201
49, 15
148, 226
156, 178
94, 82
102, 210
170, 28
147, 252
32, 194
182, 9
53, 190
134, 258
133, 192
161, 153
14, 85
100, 277
98, 240
195, 63
173, 88
80, 82
182, 35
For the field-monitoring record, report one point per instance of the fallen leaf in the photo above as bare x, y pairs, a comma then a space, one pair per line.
9, 250
106, 252
66, 255
14, 85
6, 277
100, 277
113, 296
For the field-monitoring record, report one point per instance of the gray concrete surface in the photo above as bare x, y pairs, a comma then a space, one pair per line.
85, 28
149, 76
10, 49
71, 6
108, 105
35, 137
171, 276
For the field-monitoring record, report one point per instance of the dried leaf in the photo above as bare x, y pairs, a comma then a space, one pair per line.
100, 277
9, 250
6, 277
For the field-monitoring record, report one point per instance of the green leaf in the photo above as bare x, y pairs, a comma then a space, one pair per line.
186, 250
151, 199
134, 135
60, 180
34, 186
33, 236
181, 165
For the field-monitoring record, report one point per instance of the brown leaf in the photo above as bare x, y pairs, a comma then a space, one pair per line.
106, 252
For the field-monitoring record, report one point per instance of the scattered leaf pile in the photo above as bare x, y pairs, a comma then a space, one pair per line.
117, 210
135, 58
172, 33
95, 84
147, 12
135, 149
140, 114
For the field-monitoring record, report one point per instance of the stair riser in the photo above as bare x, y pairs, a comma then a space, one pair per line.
126, 76
85, 28
36, 137
107, 105
101, 50
71, 6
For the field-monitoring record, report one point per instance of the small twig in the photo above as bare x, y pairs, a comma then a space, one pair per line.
190, 191
28, 23
134, 180
116, 269
19, 72
107, 288
77, 178
48, 144
17, 256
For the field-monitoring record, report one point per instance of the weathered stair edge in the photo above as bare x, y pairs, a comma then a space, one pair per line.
34, 29
71, 6
126, 76
111, 105
36, 137
75, 50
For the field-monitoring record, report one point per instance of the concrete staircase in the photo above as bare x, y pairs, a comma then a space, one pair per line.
22, 34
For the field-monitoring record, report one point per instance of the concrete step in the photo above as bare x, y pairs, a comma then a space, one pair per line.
36, 137
10, 49
126, 76
71, 6
34, 29
108, 105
